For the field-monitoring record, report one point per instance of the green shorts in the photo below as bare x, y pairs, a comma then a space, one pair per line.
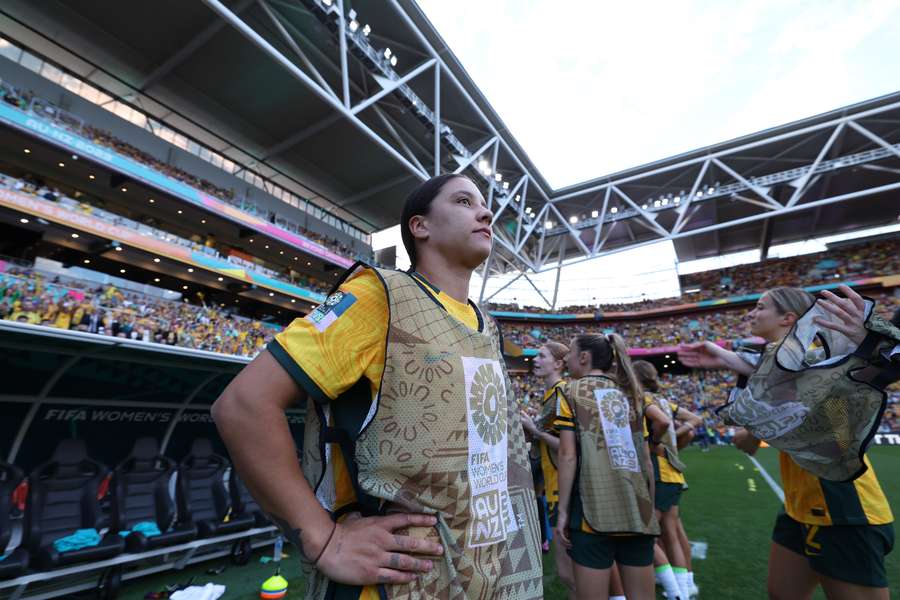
851, 553
599, 550
667, 495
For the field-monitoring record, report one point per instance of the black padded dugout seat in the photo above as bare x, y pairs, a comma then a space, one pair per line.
17, 561
202, 495
140, 493
62, 498
243, 502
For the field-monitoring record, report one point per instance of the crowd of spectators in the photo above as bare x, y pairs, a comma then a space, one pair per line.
89, 206
865, 259
27, 296
661, 331
24, 101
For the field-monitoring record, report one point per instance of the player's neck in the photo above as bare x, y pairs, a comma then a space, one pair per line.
551, 379
450, 277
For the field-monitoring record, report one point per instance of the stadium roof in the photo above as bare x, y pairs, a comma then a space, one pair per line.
261, 82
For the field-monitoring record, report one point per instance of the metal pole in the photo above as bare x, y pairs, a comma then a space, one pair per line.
437, 119
491, 180
562, 253
505, 285
484, 277
342, 33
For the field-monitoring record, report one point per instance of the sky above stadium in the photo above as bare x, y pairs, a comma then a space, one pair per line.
620, 84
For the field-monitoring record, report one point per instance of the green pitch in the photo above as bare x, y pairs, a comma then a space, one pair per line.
729, 506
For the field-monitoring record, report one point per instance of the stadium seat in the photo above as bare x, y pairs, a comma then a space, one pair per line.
62, 498
244, 503
140, 494
202, 495
17, 561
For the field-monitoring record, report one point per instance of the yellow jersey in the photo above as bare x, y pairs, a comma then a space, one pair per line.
667, 473
548, 460
814, 501
328, 360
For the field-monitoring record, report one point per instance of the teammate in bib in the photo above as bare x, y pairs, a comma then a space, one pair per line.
549, 365
833, 534
415, 478
668, 470
605, 477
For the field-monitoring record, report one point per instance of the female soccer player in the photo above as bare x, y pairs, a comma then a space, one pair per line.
668, 472
833, 534
606, 513
549, 365
411, 425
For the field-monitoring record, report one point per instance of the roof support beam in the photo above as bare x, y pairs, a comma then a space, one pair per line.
801, 184
393, 86
258, 41
475, 155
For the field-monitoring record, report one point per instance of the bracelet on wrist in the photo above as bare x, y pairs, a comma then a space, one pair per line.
325, 547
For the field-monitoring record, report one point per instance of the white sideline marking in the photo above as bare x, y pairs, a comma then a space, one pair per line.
765, 475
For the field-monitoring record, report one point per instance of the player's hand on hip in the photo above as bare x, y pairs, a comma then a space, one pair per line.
368, 551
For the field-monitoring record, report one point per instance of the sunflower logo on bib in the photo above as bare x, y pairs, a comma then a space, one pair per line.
487, 403
614, 410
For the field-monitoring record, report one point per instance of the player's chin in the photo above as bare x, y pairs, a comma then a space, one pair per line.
478, 251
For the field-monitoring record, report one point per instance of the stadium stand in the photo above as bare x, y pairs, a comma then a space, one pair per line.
33, 186
26, 101
27, 296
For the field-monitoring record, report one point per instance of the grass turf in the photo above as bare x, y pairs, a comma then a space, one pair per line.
720, 508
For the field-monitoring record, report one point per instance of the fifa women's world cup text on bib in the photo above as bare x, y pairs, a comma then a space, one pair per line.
613, 411
491, 512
